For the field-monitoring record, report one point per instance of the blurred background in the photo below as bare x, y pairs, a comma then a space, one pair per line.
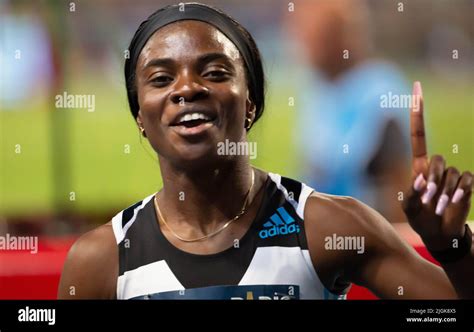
338, 73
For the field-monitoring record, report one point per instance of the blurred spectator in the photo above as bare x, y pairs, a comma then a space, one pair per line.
350, 143
25, 57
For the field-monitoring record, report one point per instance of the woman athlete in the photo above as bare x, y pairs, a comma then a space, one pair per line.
222, 229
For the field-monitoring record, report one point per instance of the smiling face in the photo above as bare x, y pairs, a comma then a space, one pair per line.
192, 92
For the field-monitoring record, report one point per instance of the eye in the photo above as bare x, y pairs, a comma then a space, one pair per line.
216, 75
161, 80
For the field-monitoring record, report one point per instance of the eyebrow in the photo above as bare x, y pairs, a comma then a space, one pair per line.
205, 58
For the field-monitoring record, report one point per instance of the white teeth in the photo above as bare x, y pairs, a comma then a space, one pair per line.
187, 117
193, 116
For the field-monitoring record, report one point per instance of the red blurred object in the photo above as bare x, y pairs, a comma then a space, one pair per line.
36, 276
24, 275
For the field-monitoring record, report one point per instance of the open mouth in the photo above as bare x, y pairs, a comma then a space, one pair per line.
192, 123
193, 120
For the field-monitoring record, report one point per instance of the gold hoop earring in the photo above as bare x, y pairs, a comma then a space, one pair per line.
142, 130
249, 120
248, 123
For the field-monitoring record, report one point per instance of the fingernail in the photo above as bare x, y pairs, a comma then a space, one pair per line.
430, 192
458, 194
417, 95
419, 183
442, 203
417, 91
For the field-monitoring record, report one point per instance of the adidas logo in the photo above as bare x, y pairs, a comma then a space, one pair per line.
280, 223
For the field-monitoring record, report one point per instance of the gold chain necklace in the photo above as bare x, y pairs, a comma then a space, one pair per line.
237, 216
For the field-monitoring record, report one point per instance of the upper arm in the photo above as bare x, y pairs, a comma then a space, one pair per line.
91, 267
388, 266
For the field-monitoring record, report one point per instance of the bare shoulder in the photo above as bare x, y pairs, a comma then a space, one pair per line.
344, 215
91, 267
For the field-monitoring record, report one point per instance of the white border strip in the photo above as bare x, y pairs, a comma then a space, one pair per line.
120, 232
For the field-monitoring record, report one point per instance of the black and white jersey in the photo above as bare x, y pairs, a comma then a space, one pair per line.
271, 261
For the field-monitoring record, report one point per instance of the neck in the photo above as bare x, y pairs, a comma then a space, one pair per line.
204, 199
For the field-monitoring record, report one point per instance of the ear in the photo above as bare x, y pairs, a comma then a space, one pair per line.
249, 109
139, 119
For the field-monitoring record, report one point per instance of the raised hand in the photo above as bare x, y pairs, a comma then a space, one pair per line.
438, 203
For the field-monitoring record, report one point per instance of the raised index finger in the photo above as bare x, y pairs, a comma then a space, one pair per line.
417, 132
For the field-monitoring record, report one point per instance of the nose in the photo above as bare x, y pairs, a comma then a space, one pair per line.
188, 89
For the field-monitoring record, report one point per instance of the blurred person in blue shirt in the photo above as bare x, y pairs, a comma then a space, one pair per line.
352, 130
26, 59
